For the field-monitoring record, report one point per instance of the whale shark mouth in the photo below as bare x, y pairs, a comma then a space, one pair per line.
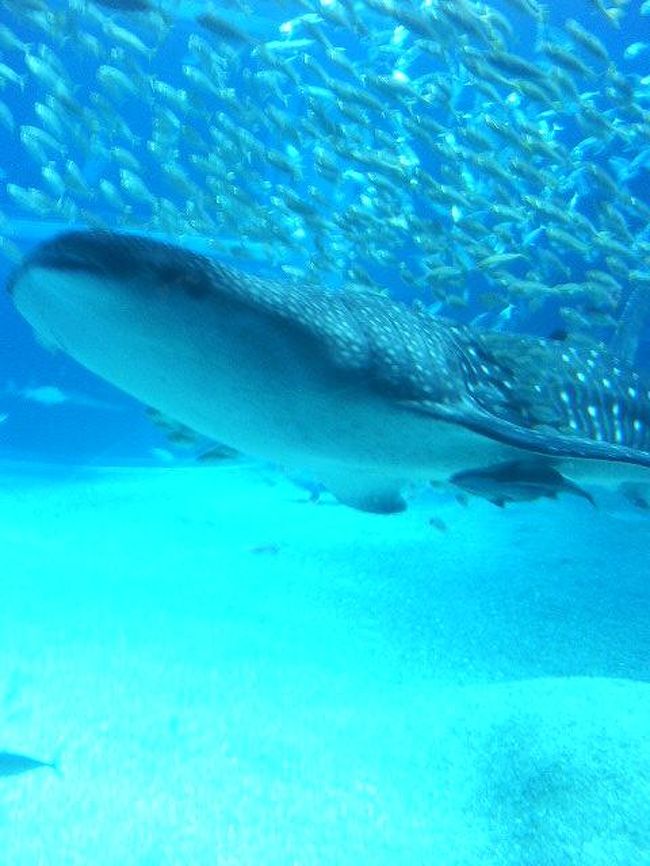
364, 392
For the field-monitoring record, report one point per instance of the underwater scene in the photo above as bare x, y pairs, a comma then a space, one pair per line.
325, 433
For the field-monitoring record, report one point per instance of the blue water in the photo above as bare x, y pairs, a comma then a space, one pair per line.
231, 674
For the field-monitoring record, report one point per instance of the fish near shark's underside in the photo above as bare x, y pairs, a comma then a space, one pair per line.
363, 392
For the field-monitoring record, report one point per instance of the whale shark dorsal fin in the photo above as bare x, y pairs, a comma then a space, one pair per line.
355, 488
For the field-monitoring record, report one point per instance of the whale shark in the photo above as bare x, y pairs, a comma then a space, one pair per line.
366, 394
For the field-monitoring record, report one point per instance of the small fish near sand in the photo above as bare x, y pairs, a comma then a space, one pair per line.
12, 764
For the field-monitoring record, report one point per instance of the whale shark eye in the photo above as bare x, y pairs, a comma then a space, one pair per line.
176, 276
170, 273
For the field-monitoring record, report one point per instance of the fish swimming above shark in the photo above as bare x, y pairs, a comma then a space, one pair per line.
364, 393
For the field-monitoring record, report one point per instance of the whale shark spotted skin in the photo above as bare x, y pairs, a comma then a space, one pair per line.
365, 393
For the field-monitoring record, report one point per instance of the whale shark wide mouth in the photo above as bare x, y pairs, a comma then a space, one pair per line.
93, 252
109, 255
82, 252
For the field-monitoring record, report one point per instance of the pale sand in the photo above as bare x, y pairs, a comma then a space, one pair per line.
233, 677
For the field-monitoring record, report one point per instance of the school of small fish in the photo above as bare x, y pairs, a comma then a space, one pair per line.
368, 142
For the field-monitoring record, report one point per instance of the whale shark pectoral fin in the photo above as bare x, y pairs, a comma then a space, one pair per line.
478, 420
569, 487
354, 488
543, 440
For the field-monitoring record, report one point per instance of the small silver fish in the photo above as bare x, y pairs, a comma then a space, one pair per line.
127, 5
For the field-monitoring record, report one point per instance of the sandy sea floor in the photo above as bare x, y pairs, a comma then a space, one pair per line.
231, 676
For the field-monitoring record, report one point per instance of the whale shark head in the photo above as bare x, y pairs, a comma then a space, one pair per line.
241, 360
90, 260
359, 390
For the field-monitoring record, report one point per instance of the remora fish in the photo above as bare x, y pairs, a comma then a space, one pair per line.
12, 764
361, 391
517, 481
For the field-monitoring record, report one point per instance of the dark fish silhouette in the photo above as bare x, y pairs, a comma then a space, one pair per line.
127, 5
517, 481
361, 392
12, 764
